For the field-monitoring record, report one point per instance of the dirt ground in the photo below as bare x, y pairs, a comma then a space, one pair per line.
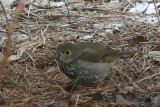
34, 79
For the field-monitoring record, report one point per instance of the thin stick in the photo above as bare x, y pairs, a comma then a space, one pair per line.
67, 11
77, 100
9, 34
156, 11
64, 92
147, 77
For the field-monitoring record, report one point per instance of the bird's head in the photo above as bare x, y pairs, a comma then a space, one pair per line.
68, 51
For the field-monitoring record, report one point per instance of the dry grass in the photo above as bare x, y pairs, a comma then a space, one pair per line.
37, 70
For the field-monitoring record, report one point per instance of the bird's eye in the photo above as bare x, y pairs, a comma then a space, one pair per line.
67, 52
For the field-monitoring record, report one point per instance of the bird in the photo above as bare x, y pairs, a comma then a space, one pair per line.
90, 62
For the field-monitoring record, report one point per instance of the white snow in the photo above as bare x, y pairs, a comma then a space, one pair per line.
150, 19
87, 37
139, 8
114, 1
22, 37
109, 30
7, 3
110, 27
151, 8
58, 4
147, 8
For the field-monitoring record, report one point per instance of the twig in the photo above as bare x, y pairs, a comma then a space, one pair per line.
131, 3
5, 13
50, 8
118, 104
8, 78
125, 75
156, 11
77, 100
147, 77
29, 9
64, 92
33, 61
67, 11
151, 42
9, 34
42, 33
53, 7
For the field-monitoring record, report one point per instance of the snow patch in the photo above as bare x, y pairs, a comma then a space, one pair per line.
87, 37
151, 8
139, 8
148, 8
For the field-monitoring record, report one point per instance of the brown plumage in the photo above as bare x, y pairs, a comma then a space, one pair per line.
89, 62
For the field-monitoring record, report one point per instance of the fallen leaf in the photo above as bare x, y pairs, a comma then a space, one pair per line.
2, 101
62, 102
11, 58
28, 45
139, 39
86, 2
97, 96
14, 58
97, 2
156, 101
154, 53
120, 99
90, 103
41, 66
126, 89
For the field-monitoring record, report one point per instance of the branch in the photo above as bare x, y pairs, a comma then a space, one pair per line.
9, 34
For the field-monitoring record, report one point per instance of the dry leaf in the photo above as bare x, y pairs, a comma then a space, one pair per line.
86, 2
2, 101
154, 53
62, 102
11, 58
28, 45
90, 103
121, 100
126, 89
139, 39
156, 101
14, 58
41, 66
97, 2
97, 96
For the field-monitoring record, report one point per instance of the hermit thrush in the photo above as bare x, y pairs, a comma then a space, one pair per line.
89, 62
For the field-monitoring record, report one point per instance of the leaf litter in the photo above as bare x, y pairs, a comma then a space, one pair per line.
111, 23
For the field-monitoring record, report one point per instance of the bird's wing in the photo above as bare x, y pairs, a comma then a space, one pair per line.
111, 55
90, 55
95, 52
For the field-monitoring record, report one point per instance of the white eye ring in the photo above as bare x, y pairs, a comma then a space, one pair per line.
68, 52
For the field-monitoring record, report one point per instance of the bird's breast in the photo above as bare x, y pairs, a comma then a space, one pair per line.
90, 72
68, 68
